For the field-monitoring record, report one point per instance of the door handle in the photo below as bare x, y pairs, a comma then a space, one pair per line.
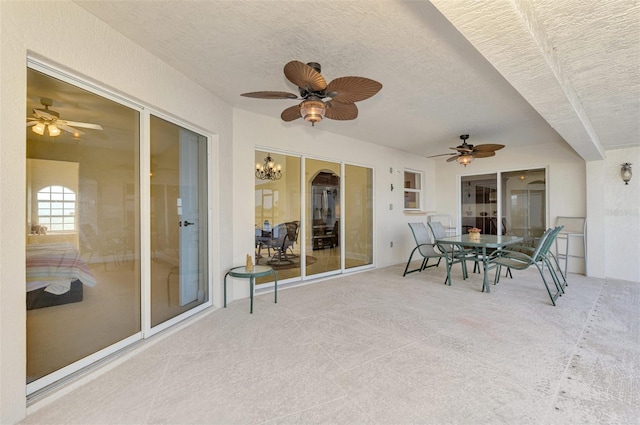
186, 223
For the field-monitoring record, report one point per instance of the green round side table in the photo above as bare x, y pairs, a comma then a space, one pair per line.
258, 271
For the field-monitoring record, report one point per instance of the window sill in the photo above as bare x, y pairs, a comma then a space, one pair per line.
417, 212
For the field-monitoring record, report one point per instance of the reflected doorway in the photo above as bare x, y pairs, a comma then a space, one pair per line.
323, 216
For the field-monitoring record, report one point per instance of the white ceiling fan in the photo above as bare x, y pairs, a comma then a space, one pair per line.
49, 119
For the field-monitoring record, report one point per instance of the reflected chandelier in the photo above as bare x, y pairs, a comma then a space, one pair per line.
269, 170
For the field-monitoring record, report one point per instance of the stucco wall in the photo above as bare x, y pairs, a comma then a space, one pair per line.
66, 36
566, 180
253, 131
88, 47
614, 208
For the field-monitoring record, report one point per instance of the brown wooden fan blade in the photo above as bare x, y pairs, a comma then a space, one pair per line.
270, 95
291, 113
341, 111
484, 154
453, 158
352, 89
302, 75
487, 148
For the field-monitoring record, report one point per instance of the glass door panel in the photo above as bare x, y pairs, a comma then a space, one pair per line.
358, 212
322, 238
277, 214
524, 203
83, 230
178, 220
480, 203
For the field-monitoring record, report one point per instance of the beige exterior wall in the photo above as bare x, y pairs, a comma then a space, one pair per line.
92, 49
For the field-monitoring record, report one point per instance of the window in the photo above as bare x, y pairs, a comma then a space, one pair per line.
412, 190
57, 208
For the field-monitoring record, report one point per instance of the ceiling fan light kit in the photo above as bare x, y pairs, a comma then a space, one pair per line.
312, 111
320, 100
45, 118
465, 153
464, 159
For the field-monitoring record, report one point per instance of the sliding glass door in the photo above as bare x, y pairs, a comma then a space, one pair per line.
178, 220
334, 234
322, 236
515, 206
524, 202
84, 249
83, 286
358, 216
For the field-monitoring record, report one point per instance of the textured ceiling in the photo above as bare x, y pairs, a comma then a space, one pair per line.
512, 72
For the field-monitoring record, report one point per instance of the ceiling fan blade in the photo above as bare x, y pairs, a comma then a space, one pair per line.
291, 113
453, 158
487, 148
71, 130
462, 148
442, 154
30, 123
60, 123
484, 154
39, 113
352, 89
270, 95
341, 111
302, 75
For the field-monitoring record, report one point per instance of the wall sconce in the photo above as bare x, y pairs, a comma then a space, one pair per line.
625, 172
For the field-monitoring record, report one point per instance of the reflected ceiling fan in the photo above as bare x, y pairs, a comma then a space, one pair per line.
335, 100
465, 153
45, 118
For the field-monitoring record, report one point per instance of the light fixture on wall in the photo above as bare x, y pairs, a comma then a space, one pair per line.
269, 170
625, 172
464, 159
313, 110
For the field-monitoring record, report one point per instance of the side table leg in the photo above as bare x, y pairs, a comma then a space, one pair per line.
275, 280
251, 289
225, 290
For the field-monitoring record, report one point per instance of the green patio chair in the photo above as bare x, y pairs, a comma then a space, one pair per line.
518, 260
458, 253
426, 248
546, 255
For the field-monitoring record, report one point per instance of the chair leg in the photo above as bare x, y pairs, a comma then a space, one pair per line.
555, 259
552, 296
447, 281
406, 269
424, 264
496, 279
465, 274
508, 273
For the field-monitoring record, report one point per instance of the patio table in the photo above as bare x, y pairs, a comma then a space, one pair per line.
484, 242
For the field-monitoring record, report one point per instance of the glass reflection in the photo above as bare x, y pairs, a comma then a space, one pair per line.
277, 216
358, 216
322, 186
82, 225
178, 220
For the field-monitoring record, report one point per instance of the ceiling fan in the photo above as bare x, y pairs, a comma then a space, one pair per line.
44, 118
335, 100
467, 153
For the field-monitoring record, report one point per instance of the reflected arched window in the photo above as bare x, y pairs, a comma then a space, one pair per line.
57, 208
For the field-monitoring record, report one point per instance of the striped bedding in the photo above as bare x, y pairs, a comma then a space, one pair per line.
49, 263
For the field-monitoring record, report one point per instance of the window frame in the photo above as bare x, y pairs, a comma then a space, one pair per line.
64, 192
419, 177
